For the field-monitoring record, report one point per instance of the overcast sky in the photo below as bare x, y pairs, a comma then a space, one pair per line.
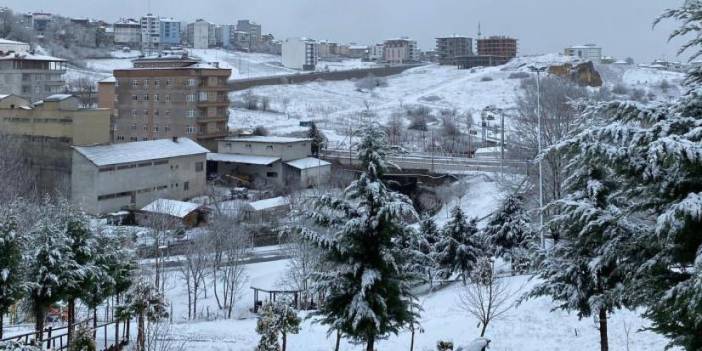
621, 27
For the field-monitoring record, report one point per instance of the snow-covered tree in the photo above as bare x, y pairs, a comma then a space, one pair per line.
12, 284
266, 327
51, 268
82, 340
581, 273
459, 246
319, 141
509, 233
367, 293
12, 345
286, 320
145, 302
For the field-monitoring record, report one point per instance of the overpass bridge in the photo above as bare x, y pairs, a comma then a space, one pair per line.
435, 164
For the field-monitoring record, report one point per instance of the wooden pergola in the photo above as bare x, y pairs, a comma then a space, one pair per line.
273, 295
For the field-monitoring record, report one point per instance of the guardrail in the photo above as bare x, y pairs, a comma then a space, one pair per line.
56, 339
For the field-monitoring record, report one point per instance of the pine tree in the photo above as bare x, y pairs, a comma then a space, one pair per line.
145, 302
12, 285
509, 233
266, 327
286, 320
367, 294
459, 246
582, 271
318, 139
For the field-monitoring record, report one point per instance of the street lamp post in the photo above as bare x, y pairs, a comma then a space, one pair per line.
538, 71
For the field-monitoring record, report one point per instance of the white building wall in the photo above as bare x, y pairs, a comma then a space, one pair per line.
17, 47
299, 53
286, 151
201, 35
586, 53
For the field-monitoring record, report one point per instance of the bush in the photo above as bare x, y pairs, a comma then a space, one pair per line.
486, 79
371, 82
261, 131
82, 341
444, 346
620, 89
664, 85
519, 75
638, 95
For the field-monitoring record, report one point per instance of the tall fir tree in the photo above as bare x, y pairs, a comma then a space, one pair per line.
459, 246
367, 293
267, 329
508, 232
12, 285
429, 237
581, 272
319, 141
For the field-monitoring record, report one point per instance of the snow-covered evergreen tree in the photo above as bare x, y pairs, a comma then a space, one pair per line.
266, 327
581, 273
12, 286
459, 246
319, 141
82, 340
51, 268
286, 320
367, 293
508, 232
145, 302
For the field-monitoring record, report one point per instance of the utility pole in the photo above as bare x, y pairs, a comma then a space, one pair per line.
502, 144
538, 71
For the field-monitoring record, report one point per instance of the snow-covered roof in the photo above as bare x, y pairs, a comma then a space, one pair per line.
174, 208
488, 150
58, 97
6, 41
307, 162
30, 57
268, 204
103, 155
268, 139
244, 159
110, 79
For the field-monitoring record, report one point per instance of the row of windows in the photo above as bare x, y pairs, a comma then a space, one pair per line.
133, 165
38, 120
156, 83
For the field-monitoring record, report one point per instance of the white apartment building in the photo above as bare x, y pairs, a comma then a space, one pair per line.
150, 33
376, 52
127, 33
400, 51
587, 52
109, 178
300, 53
201, 34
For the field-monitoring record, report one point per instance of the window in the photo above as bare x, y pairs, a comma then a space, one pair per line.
190, 114
146, 83
191, 82
168, 98
134, 126
135, 83
135, 97
189, 129
190, 98
167, 128
156, 97
272, 174
146, 97
157, 83
133, 138
186, 186
199, 167
203, 96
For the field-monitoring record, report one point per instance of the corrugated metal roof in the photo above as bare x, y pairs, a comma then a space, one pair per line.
307, 162
244, 159
103, 155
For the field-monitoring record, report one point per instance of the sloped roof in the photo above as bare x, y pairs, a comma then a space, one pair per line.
174, 208
271, 203
30, 57
58, 97
244, 159
6, 41
103, 155
269, 139
307, 162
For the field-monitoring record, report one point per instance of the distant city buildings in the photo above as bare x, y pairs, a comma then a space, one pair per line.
150, 33
400, 51
170, 96
201, 34
11, 46
169, 32
254, 30
498, 46
127, 33
300, 53
587, 52
448, 48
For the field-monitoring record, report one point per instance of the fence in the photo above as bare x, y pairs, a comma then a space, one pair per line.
56, 339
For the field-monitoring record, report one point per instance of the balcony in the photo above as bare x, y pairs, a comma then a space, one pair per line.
213, 103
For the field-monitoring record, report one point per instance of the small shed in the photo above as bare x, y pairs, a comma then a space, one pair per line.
187, 212
265, 209
308, 171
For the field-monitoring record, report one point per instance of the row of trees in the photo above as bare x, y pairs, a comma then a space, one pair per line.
629, 211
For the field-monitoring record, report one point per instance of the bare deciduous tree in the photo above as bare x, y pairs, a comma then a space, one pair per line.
487, 298
161, 227
194, 270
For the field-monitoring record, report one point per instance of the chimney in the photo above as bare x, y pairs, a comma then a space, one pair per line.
175, 139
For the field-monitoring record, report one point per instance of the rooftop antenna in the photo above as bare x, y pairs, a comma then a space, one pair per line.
479, 33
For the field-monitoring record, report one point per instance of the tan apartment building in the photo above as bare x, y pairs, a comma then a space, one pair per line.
47, 129
169, 97
400, 51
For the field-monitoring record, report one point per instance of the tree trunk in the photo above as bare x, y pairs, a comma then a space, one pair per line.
338, 340
71, 318
94, 322
412, 342
370, 346
214, 287
141, 337
195, 290
285, 339
39, 316
604, 344
2, 320
482, 331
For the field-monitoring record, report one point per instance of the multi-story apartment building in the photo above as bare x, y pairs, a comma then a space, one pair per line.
108, 178
241, 40
376, 52
224, 35
327, 49
254, 30
127, 32
498, 46
169, 32
448, 48
40, 21
47, 130
150, 33
399, 51
300, 53
587, 52
31, 76
201, 34
168, 97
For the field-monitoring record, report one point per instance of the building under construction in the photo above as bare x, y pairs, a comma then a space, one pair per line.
492, 51
448, 48
500, 46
